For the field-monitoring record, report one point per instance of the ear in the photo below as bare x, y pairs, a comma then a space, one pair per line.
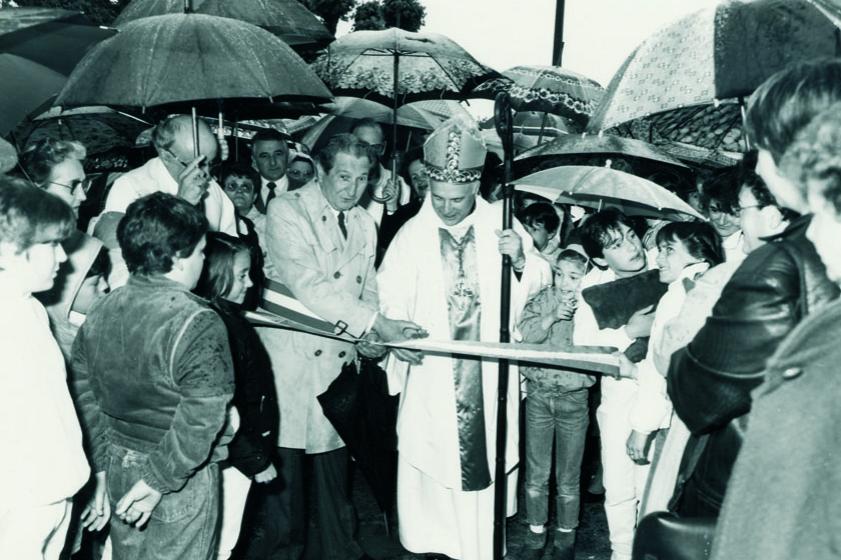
8, 250
773, 218
319, 171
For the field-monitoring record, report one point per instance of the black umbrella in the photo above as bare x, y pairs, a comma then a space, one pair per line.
365, 416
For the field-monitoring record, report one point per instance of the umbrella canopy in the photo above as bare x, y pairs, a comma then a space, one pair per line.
288, 19
26, 86
716, 53
57, 39
428, 65
549, 89
601, 144
186, 58
599, 187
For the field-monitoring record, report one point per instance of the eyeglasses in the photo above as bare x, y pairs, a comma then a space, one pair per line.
749, 206
205, 164
376, 149
85, 184
244, 187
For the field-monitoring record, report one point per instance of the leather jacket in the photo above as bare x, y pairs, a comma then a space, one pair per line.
710, 380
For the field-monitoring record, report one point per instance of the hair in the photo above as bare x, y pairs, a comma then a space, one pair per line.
217, 277
345, 144
541, 214
163, 135
723, 188
596, 231
814, 160
268, 134
39, 158
239, 170
570, 255
367, 122
101, 265
750, 180
29, 216
156, 229
700, 239
788, 101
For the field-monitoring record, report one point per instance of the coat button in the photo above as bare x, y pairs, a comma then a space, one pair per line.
358, 279
342, 354
792, 372
337, 275
318, 353
323, 218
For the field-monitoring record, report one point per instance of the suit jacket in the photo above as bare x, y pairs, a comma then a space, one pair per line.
335, 279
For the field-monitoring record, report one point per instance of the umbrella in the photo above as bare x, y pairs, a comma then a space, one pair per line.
719, 53
57, 39
600, 145
99, 128
599, 187
288, 19
26, 86
186, 58
365, 416
528, 128
548, 89
396, 67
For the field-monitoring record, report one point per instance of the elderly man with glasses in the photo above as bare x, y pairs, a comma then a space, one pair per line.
177, 171
385, 194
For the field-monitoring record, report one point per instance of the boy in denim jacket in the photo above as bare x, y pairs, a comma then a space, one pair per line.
557, 407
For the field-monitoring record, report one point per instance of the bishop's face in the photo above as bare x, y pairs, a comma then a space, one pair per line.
453, 202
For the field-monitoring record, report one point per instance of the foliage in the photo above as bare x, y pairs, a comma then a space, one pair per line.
330, 11
100, 12
405, 14
368, 16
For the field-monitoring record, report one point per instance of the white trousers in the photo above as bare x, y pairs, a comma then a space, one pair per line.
624, 480
34, 533
235, 487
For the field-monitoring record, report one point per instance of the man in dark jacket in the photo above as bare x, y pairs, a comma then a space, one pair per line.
777, 285
152, 373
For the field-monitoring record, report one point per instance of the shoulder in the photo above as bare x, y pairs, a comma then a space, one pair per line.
770, 267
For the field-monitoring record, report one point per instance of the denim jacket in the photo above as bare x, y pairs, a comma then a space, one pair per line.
152, 372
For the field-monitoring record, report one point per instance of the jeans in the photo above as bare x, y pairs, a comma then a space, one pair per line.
184, 524
564, 417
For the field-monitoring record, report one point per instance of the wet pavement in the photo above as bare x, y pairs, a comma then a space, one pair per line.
592, 541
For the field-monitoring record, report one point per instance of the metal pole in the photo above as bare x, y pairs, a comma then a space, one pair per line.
504, 127
394, 151
558, 47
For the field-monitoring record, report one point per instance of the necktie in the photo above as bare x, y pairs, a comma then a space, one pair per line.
272, 186
342, 225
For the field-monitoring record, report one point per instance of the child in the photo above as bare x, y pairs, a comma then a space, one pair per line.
557, 407
254, 414
44, 464
542, 222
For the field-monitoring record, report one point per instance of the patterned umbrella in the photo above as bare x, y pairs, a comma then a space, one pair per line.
100, 129
186, 58
57, 39
548, 89
396, 67
601, 144
715, 54
288, 19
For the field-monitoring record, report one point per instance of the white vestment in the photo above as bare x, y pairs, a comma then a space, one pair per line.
436, 515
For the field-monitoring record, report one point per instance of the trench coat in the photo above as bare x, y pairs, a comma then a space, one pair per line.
335, 279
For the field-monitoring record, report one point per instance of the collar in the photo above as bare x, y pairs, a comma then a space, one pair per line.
156, 281
796, 226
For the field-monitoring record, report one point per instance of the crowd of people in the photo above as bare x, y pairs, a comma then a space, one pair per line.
143, 409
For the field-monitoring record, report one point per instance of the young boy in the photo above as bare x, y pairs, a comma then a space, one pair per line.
557, 407
610, 241
43, 464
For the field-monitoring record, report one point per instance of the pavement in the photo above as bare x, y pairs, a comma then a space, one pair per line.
592, 541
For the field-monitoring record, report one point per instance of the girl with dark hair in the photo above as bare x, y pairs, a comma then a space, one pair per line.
254, 413
686, 250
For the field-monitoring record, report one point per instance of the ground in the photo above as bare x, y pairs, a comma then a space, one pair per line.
592, 543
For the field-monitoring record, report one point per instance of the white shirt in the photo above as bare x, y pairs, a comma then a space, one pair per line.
43, 459
153, 177
734, 247
281, 186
